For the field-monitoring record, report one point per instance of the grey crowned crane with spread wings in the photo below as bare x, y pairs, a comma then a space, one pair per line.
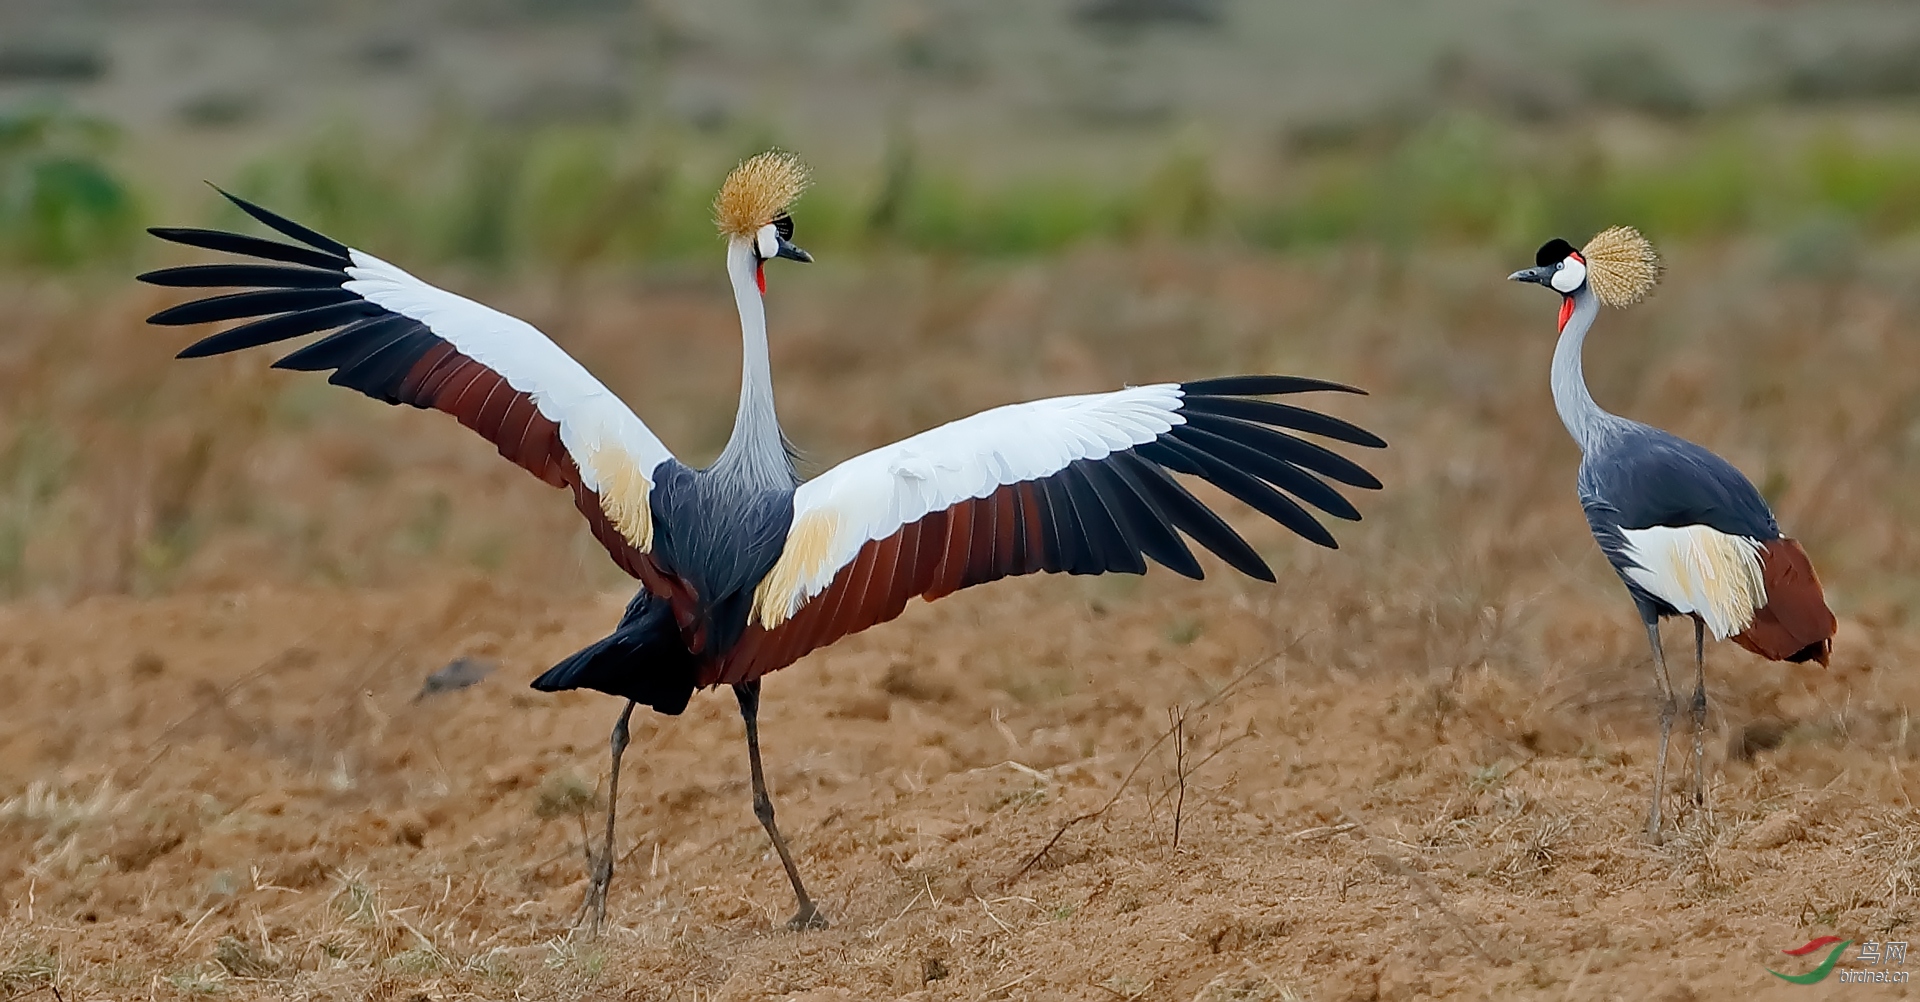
744, 568
1686, 532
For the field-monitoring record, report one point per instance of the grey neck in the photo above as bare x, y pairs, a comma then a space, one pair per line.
1585, 421
757, 454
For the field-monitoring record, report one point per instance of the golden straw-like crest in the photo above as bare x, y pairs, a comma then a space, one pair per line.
1621, 266
758, 191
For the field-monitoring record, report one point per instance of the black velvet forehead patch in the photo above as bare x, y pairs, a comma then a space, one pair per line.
783, 225
1553, 252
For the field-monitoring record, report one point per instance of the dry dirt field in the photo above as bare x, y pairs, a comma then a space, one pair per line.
1416, 767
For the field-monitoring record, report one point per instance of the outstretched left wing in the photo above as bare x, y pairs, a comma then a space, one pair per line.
398, 339
1079, 484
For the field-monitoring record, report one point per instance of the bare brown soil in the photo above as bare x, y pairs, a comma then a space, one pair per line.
1416, 767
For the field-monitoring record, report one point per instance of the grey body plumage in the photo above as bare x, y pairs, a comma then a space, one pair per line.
1633, 475
1637, 477
1643, 477
720, 537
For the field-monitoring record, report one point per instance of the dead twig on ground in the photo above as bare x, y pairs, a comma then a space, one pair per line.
1420, 883
1179, 769
1194, 770
1129, 996
1127, 780
47, 986
1323, 831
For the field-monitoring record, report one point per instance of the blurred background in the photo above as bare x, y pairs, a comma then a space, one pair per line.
539, 144
221, 585
561, 133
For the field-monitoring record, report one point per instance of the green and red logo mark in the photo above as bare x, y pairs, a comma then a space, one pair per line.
1818, 974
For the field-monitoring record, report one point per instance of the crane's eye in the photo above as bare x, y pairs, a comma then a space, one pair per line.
783, 225
1570, 275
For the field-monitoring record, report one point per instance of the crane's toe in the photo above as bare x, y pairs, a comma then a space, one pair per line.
807, 918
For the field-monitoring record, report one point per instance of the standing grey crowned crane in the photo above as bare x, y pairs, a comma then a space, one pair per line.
743, 568
1686, 532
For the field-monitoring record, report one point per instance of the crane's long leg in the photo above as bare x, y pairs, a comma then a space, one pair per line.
1699, 713
808, 917
603, 864
1668, 706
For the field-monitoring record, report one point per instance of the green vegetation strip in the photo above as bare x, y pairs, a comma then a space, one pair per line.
564, 197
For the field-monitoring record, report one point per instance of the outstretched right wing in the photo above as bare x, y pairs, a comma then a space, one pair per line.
1080, 484
401, 340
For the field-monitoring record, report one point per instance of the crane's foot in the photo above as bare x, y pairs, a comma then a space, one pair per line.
594, 908
807, 919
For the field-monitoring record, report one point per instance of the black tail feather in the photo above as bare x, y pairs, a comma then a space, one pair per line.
643, 660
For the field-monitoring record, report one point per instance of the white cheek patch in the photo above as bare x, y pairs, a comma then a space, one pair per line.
769, 241
1571, 276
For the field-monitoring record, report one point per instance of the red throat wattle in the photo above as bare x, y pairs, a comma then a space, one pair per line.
1566, 310
760, 279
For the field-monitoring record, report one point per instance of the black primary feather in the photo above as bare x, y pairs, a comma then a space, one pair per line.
1050, 556
238, 305
1248, 386
371, 348
1277, 472
1073, 547
1116, 551
281, 327
1186, 512
384, 367
1138, 520
346, 345
234, 276
240, 243
1285, 416
1281, 445
1249, 489
288, 227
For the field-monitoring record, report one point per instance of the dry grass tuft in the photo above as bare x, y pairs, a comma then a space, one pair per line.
56, 812
1247, 985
